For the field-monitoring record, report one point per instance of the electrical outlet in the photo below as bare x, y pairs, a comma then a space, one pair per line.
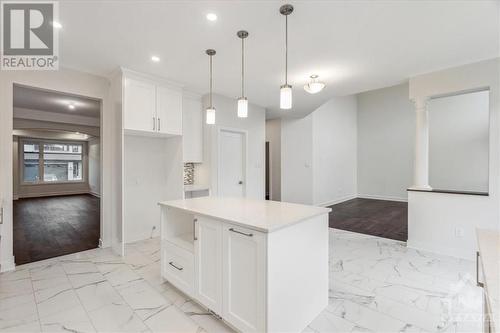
459, 232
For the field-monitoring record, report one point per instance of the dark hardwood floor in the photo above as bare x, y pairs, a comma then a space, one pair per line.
53, 226
388, 219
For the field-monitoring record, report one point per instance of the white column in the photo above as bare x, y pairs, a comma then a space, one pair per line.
421, 176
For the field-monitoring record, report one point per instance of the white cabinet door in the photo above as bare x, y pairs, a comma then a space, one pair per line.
192, 130
169, 110
244, 276
139, 105
208, 263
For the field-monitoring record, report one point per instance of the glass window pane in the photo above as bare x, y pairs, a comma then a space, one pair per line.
31, 162
62, 162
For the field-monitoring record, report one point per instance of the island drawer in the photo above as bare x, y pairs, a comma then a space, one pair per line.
178, 266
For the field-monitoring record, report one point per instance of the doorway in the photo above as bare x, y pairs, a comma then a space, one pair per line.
56, 173
232, 161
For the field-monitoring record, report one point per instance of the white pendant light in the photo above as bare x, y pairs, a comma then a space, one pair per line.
242, 101
210, 110
315, 86
286, 89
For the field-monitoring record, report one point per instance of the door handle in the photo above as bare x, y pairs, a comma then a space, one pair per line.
154, 124
159, 124
479, 284
174, 266
240, 182
241, 233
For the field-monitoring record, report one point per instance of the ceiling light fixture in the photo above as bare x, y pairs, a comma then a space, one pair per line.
286, 89
155, 59
211, 17
56, 25
242, 101
315, 86
210, 109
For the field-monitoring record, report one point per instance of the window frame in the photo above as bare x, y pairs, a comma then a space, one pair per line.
41, 166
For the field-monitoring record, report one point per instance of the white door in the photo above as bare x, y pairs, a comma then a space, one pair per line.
139, 105
169, 110
231, 164
244, 276
208, 263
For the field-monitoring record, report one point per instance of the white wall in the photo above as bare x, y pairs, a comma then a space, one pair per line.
94, 157
296, 160
226, 117
318, 154
273, 136
386, 140
335, 151
71, 82
435, 218
152, 173
458, 142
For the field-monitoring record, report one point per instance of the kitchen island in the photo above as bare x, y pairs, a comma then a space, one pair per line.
261, 266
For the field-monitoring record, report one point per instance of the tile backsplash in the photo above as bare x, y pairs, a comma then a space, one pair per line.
188, 173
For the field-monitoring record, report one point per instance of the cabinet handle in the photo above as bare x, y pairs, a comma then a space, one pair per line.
154, 124
194, 229
159, 124
241, 233
479, 284
172, 264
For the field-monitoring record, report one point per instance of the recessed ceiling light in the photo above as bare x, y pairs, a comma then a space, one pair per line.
155, 58
211, 17
56, 25
77, 133
71, 106
315, 86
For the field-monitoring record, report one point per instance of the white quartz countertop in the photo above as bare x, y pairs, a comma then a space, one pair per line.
489, 250
260, 215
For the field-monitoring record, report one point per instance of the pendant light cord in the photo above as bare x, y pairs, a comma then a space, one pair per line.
242, 67
211, 82
286, 49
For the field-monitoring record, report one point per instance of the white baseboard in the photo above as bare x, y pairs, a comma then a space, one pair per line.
382, 197
337, 201
8, 265
52, 194
451, 252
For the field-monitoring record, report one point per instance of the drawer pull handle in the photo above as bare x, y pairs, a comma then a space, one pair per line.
174, 266
241, 233
194, 229
479, 284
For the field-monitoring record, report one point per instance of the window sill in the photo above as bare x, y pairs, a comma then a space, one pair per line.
53, 183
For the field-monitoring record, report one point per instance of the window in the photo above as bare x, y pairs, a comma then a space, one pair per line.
56, 161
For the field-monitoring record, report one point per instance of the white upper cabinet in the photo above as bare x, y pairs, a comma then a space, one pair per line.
192, 124
151, 107
139, 105
169, 110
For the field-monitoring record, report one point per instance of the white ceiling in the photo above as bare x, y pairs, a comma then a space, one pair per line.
53, 101
353, 45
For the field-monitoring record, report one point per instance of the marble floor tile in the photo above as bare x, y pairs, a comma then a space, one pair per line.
376, 285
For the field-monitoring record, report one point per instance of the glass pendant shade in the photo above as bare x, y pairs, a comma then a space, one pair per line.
211, 116
242, 107
286, 97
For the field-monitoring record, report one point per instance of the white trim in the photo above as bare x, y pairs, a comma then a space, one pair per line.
9, 265
337, 201
153, 78
55, 117
95, 194
382, 197
52, 194
452, 252
221, 129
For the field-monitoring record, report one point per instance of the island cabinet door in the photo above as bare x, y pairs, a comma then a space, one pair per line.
244, 276
208, 263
